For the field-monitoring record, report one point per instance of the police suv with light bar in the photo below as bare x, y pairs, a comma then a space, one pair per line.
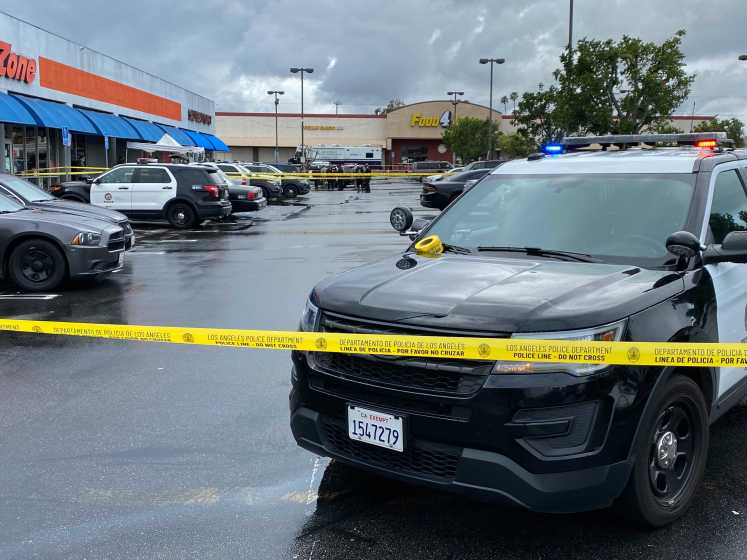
633, 238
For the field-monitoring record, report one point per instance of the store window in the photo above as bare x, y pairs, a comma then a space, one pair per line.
78, 150
18, 150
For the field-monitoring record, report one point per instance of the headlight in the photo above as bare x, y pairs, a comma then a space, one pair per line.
310, 317
87, 239
608, 333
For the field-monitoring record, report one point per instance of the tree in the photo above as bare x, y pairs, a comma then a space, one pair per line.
734, 129
469, 138
664, 127
543, 116
391, 106
515, 145
514, 97
504, 100
607, 87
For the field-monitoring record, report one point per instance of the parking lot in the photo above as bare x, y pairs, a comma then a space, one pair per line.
134, 450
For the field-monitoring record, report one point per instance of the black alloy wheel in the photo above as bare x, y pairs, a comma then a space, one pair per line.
37, 265
181, 215
670, 454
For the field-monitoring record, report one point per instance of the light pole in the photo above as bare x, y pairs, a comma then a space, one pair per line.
570, 28
277, 101
302, 70
491, 61
454, 93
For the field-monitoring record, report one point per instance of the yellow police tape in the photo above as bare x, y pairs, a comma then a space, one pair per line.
514, 350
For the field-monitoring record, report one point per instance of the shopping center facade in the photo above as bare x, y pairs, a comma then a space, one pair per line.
63, 104
409, 133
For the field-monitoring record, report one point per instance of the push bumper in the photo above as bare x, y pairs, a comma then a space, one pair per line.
490, 476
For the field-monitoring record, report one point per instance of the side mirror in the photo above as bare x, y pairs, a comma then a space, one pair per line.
732, 249
684, 244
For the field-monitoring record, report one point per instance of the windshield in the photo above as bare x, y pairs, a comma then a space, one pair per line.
26, 190
623, 216
9, 205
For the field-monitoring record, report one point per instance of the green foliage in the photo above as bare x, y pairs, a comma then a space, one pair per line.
734, 129
664, 127
469, 138
605, 87
515, 145
391, 106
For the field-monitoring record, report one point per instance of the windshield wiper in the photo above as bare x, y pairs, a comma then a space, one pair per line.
449, 248
538, 251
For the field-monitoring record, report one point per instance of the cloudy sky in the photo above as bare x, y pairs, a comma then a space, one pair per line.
365, 53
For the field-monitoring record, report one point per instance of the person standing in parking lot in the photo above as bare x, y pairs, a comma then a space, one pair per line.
366, 179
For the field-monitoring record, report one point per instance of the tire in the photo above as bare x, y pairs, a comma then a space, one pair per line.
291, 191
661, 487
37, 265
181, 215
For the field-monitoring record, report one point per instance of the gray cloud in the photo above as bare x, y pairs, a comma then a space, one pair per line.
233, 50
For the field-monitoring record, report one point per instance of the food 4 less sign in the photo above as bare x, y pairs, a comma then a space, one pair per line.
14, 66
430, 121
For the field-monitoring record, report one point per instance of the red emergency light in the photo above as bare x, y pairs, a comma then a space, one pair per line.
706, 144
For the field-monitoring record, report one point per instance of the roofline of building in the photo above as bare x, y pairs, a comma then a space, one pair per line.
110, 57
298, 115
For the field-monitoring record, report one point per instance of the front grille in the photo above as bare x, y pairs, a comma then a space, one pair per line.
439, 376
116, 241
428, 460
428, 375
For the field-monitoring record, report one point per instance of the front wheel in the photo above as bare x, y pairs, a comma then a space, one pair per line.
291, 191
181, 215
37, 265
670, 455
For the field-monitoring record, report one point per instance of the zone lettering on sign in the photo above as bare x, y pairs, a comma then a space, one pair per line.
15, 66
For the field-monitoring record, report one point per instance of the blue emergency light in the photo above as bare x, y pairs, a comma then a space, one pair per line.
553, 149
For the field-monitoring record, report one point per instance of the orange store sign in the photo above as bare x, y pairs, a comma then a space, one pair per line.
14, 66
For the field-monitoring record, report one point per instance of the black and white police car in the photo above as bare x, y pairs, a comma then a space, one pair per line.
611, 238
185, 195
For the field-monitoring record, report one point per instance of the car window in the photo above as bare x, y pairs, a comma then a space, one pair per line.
257, 168
9, 205
26, 190
118, 175
194, 176
729, 206
228, 168
152, 175
611, 216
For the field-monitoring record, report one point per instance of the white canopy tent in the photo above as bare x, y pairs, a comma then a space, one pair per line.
165, 144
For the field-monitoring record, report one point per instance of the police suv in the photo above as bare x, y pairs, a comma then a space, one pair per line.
599, 238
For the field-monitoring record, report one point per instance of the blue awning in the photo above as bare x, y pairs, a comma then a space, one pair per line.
112, 125
177, 134
57, 115
147, 130
220, 146
13, 111
199, 139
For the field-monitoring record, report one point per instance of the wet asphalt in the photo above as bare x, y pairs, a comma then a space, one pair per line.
141, 450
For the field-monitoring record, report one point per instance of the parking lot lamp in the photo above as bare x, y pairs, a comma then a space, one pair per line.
491, 61
453, 120
302, 70
277, 101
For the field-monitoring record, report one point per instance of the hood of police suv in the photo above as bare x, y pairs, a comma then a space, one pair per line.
495, 294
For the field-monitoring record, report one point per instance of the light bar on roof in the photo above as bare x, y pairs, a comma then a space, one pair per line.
682, 139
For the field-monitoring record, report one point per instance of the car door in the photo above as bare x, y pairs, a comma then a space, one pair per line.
727, 211
113, 190
152, 189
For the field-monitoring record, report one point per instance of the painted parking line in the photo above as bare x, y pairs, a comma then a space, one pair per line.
29, 297
146, 253
157, 241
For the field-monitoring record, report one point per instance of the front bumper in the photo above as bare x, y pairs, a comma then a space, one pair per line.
92, 261
547, 442
433, 200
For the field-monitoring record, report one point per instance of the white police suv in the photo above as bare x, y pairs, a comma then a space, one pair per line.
635, 238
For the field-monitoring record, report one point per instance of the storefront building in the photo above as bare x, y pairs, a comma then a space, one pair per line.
410, 133
63, 105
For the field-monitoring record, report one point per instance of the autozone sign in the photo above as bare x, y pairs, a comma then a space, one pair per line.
14, 66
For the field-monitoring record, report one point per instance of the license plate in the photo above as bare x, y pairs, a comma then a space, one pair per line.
376, 428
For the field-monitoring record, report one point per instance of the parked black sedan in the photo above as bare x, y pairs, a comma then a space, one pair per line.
77, 191
39, 249
246, 199
32, 196
439, 194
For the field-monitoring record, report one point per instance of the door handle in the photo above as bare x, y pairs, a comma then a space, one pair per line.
124, 188
166, 188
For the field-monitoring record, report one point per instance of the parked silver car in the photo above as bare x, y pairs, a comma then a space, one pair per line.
39, 249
